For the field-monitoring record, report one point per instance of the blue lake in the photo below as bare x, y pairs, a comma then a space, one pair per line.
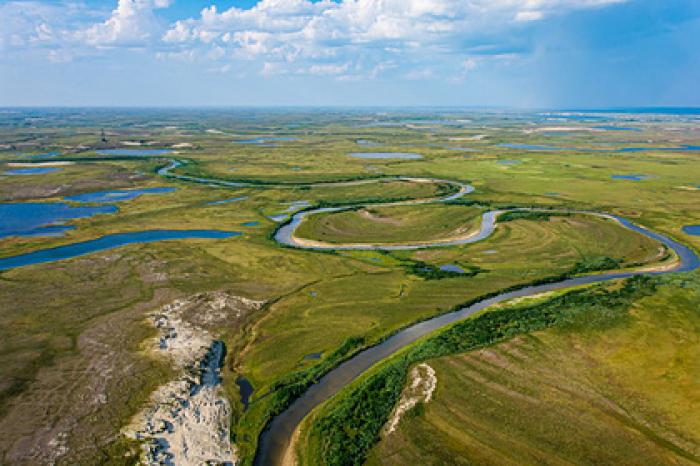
108, 242
692, 230
642, 149
228, 201
250, 224
509, 145
451, 268
245, 389
537, 147
629, 177
117, 195
31, 171
43, 218
265, 140
509, 162
616, 128
385, 155
133, 152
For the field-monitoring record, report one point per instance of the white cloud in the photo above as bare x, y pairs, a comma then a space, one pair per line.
528, 15
131, 22
311, 34
350, 39
329, 69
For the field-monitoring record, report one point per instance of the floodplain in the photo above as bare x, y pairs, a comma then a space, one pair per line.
82, 354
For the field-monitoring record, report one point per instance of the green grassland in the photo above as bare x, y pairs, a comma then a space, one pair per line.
333, 303
580, 394
392, 224
575, 377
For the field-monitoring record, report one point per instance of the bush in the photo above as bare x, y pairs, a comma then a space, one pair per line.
350, 425
529, 215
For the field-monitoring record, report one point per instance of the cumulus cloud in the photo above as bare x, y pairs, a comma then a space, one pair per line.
345, 39
63, 31
131, 22
362, 31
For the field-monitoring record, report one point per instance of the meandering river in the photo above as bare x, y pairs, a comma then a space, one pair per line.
276, 438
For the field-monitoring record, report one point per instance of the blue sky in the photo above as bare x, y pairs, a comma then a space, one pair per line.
513, 53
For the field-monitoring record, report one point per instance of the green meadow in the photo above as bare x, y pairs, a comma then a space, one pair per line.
65, 324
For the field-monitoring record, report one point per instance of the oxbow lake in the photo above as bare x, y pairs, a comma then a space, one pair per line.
43, 218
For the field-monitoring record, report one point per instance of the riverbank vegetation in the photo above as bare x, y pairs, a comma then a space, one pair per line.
603, 389
344, 430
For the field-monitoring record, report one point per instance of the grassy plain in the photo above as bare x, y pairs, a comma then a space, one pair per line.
626, 394
316, 302
394, 224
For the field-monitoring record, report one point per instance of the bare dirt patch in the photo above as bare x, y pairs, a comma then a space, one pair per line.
187, 420
420, 390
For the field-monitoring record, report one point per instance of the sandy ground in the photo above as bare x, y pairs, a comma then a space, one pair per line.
187, 421
290, 458
420, 390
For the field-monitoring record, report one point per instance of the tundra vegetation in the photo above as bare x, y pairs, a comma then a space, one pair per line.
77, 362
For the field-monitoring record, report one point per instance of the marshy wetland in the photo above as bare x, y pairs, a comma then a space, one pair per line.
316, 272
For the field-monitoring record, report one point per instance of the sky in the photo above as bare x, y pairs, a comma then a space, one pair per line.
462, 53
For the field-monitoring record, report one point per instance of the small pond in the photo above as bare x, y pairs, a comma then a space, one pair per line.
509, 145
616, 128
385, 155
228, 201
451, 268
265, 140
631, 177
692, 230
31, 171
117, 195
245, 389
133, 152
